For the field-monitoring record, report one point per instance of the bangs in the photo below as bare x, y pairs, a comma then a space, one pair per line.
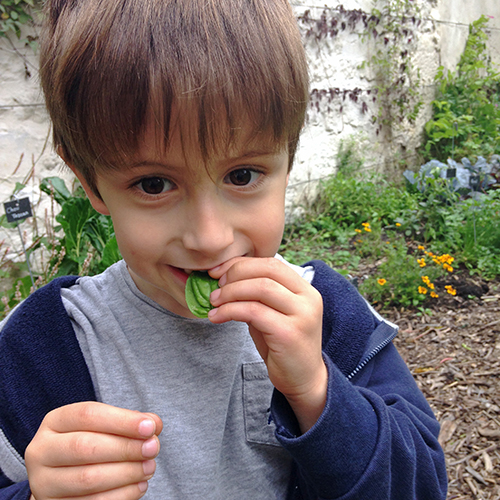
111, 68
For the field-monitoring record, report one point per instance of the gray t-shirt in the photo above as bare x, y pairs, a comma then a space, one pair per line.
207, 382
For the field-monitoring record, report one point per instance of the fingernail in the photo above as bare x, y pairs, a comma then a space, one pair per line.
146, 427
223, 280
212, 312
143, 486
149, 466
150, 448
215, 295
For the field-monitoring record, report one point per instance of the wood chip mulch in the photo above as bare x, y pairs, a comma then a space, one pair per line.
453, 352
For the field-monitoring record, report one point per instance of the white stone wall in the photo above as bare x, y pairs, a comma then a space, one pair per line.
441, 37
25, 145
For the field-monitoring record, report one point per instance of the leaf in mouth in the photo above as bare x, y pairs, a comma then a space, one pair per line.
199, 286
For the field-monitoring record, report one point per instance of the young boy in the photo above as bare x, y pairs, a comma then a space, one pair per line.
181, 120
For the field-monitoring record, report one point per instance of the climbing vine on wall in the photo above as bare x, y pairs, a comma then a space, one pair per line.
390, 30
14, 14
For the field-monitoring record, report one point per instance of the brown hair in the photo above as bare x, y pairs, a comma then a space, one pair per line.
109, 67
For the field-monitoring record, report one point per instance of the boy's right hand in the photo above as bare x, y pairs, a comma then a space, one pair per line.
92, 450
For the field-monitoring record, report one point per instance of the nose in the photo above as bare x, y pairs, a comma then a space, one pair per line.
208, 228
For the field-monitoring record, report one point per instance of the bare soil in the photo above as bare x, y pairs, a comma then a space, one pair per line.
453, 351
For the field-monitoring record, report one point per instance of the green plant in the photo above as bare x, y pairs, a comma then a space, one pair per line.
349, 161
86, 243
405, 278
78, 241
404, 237
466, 120
480, 234
14, 14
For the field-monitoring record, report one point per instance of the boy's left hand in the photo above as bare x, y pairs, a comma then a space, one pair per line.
284, 314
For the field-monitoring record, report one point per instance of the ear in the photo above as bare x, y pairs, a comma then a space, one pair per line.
96, 201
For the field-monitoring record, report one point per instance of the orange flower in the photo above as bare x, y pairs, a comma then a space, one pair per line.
422, 290
450, 290
381, 281
434, 295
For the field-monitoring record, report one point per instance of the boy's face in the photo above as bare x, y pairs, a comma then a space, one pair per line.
173, 213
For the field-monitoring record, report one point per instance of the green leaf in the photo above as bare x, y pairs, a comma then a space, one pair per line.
57, 186
110, 254
73, 218
199, 286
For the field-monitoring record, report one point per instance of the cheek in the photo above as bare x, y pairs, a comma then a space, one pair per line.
135, 237
268, 231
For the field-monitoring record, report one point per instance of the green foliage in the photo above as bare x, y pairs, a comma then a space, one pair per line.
411, 240
466, 121
13, 15
80, 241
85, 241
399, 278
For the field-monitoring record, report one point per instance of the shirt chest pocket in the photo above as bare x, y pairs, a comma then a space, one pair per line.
257, 393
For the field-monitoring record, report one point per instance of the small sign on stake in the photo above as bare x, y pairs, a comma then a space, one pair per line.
17, 210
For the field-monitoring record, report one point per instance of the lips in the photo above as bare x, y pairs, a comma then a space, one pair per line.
179, 273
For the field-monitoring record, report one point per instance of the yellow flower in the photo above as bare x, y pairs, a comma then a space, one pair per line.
381, 281
358, 230
367, 229
446, 258
398, 224
422, 290
421, 262
365, 224
448, 268
434, 295
426, 280
430, 285
421, 248
450, 290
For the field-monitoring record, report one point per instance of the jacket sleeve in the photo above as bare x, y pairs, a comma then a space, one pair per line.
377, 436
41, 368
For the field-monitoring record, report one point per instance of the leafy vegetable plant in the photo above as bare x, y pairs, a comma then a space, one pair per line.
78, 241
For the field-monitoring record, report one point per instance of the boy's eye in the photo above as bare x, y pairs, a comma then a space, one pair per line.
154, 185
242, 177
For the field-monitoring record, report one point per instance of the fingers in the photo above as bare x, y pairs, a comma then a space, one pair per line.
245, 268
259, 290
87, 480
93, 450
99, 417
250, 282
78, 448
